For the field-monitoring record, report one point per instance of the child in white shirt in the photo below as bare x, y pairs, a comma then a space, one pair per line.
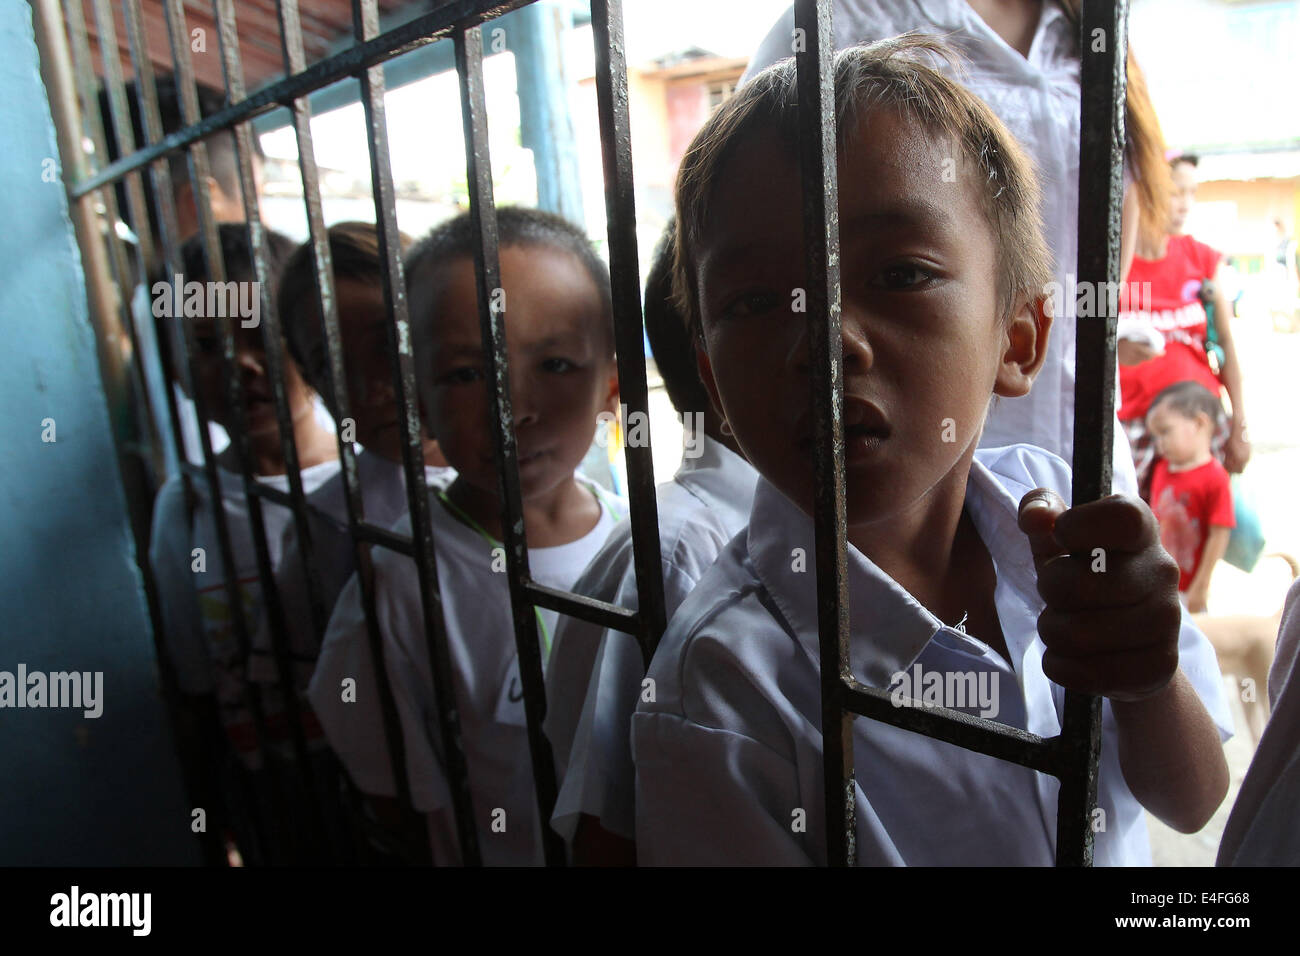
953, 556
559, 338
593, 679
198, 627
373, 412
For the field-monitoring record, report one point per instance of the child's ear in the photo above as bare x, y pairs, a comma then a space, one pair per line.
1024, 346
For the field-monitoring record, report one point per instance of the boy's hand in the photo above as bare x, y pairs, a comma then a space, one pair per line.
1112, 618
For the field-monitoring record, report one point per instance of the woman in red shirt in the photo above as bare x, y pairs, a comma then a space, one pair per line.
1162, 294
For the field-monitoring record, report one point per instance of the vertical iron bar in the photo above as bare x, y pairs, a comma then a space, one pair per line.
469, 67
120, 115
1101, 152
624, 272
208, 231
413, 465
273, 343
365, 25
818, 173
168, 241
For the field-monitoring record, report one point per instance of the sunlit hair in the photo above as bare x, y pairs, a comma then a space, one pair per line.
355, 255
892, 74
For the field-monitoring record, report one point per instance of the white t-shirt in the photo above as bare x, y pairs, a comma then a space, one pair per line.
731, 750
594, 675
489, 696
383, 498
1264, 826
198, 629
1038, 99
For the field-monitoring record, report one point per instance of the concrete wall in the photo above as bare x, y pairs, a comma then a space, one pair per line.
77, 790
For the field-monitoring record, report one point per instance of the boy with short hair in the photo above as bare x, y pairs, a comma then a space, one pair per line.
951, 548
372, 404
593, 679
560, 341
1191, 495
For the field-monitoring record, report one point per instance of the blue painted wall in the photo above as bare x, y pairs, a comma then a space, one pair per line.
75, 791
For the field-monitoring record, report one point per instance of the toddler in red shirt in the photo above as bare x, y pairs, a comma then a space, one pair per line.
1190, 493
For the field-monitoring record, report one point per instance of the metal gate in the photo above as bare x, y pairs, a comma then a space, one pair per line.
1072, 756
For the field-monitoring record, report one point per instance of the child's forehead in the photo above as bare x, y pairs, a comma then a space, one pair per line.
892, 171
547, 294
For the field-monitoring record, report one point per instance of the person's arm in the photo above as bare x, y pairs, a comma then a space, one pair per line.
1171, 755
1216, 545
1113, 629
1237, 452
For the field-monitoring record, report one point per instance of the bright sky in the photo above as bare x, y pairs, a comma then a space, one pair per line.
424, 117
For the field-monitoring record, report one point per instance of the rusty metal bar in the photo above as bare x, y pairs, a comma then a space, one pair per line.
620, 210
322, 258
487, 271
586, 608
817, 168
211, 244
1101, 152
273, 345
422, 548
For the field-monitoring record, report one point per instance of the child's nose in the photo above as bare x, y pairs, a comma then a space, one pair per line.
858, 355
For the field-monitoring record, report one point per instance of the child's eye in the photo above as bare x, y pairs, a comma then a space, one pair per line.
464, 375
749, 304
558, 365
903, 275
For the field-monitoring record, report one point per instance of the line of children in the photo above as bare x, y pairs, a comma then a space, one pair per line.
962, 561
559, 336
594, 676
372, 403
197, 620
1191, 495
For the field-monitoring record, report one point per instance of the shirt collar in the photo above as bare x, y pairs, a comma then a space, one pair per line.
722, 480
889, 628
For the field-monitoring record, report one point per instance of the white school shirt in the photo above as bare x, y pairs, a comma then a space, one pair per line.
594, 675
383, 497
1264, 826
1038, 99
731, 751
489, 695
198, 628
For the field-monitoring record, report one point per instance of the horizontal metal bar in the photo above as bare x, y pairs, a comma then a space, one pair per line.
589, 609
955, 727
374, 534
424, 29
